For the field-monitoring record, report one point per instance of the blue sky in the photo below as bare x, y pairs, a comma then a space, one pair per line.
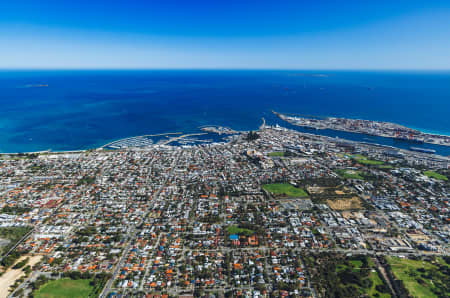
311, 34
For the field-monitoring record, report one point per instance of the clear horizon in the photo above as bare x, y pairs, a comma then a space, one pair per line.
236, 35
230, 69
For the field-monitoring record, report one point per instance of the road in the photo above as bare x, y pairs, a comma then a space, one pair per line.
17, 243
134, 233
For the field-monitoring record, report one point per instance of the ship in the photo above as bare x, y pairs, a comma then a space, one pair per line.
411, 140
408, 138
423, 150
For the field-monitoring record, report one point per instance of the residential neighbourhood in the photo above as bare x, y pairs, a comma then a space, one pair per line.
248, 217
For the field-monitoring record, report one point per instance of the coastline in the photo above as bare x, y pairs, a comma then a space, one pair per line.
394, 131
181, 135
107, 106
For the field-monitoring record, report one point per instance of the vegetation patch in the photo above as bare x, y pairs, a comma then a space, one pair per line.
435, 175
21, 263
369, 162
65, 287
15, 210
74, 284
276, 154
365, 161
285, 189
240, 231
385, 167
378, 288
422, 278
356, 263
336, 275
13, 234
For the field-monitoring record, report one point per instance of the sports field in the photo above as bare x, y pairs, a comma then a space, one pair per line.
65, 288
435, 175
276, 153
285, 189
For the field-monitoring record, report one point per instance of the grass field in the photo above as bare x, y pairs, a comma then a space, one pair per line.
285, 189
435, 175
356, 263
376, 281
237, 230
365, 161
276, 154
409, 272
65, 288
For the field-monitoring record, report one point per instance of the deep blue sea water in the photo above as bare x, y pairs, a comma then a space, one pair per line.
86, 109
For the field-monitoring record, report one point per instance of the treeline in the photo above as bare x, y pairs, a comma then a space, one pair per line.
251, 136
13, 234
98, 280
398, 285
21, 263
337, 276
9, 260
86, 180
15, 210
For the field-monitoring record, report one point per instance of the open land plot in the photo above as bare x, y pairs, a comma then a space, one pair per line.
359, 158
285, 189
345, 204
350, 174
276, 153
315, 189
385, 167
237, 230
11, 275
65, 288
435, 175
422, 278
369, 162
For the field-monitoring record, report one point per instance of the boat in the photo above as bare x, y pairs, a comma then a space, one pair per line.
423, 150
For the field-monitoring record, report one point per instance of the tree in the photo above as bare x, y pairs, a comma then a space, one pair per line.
251, 136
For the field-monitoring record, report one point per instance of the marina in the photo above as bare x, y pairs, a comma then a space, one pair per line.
172, 139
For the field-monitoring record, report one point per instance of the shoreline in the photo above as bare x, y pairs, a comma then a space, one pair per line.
419, 129
385, 131
175, 136
167, 143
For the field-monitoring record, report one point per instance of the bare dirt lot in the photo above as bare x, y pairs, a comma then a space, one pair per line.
345, 204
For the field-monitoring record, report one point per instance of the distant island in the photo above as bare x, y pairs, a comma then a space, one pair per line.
369, 127
36, 85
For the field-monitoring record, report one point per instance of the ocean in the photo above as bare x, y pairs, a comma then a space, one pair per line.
71, 110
